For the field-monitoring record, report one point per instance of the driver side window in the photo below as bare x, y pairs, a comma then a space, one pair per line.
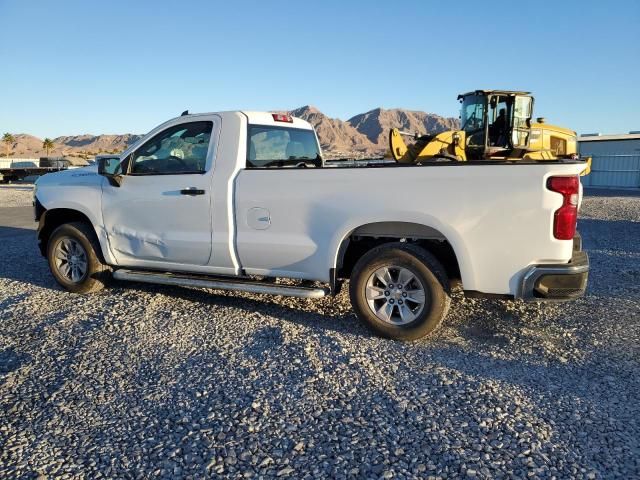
178, 150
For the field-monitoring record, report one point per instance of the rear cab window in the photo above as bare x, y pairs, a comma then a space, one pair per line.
276, 146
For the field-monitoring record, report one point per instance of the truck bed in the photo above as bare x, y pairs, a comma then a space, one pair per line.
497, 216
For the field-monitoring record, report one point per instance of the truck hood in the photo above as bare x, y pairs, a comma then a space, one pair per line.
76, 189
74, 176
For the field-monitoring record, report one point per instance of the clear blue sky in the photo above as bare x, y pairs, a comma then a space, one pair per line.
72, 67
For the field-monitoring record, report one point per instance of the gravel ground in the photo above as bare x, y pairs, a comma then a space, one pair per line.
19, 195
148, 382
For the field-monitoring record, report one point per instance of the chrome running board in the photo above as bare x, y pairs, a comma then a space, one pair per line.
217, 283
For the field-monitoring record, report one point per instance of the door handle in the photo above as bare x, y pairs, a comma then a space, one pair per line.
191, 191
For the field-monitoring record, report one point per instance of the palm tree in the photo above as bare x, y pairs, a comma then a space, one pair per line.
48, 145
8, 139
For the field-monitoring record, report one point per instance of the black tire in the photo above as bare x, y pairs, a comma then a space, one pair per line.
96, 274
425, 269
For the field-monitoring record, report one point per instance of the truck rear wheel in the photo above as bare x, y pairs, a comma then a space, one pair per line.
73, 254
400, 291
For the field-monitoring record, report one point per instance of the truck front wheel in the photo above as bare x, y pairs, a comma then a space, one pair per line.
400, 291
73, 254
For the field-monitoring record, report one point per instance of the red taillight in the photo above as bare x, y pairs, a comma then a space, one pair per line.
281, 117
566, 217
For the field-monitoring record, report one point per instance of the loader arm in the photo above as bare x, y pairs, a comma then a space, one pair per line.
449, 144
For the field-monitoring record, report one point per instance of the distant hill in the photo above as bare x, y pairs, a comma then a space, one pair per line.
335, 135
77, 147
365, 134
24, 146
375, 124
99, 142
368, 133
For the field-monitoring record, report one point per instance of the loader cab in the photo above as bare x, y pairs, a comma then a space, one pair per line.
496, 122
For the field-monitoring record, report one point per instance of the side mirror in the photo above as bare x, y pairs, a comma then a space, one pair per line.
111, 168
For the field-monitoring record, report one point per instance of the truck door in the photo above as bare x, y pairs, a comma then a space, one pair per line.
161, 212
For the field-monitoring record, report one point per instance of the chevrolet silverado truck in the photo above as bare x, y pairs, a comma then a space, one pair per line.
243, 201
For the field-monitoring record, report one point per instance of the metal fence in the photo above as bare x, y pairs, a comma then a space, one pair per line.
614, 171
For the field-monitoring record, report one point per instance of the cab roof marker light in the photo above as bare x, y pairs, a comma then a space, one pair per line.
281, 117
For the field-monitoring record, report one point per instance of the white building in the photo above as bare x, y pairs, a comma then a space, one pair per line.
616, 159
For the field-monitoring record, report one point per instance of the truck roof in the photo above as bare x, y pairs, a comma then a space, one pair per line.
267, 118
261, 118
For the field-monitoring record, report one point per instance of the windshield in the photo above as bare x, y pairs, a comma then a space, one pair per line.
471, 114
281, 147
472, 119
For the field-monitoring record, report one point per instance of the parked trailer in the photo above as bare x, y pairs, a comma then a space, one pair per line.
12, 170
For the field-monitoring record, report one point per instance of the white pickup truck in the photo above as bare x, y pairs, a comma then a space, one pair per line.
243, 201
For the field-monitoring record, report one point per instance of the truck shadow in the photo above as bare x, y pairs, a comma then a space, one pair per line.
610, 192
21, 259
614, 256
292, 310
615, 235
15, 232
12, 359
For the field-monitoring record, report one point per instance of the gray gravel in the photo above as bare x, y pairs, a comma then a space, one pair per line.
18, 195
155, 382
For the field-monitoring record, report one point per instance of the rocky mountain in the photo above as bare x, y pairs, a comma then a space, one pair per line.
368, 133
336, 136
100, 142
25, 146
365, 134
375, 124
76, 148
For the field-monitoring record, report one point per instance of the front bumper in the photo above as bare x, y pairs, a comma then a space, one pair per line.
560, 282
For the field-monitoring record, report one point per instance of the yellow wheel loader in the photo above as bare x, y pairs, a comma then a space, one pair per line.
494, 125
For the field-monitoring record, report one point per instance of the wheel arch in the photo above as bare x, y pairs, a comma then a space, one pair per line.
359, 240
53, 218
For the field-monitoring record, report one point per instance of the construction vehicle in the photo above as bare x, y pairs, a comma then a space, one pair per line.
494, 125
